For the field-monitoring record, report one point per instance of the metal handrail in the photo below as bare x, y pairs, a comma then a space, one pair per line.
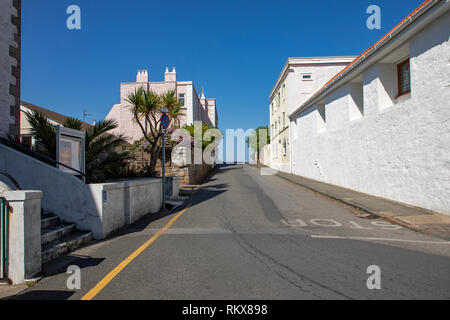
16, 184
37, 154
4, 238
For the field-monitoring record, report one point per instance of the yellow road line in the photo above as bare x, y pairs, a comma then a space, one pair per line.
102, 284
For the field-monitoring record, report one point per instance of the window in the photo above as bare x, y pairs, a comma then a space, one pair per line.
307, 77
284, 147
278, 100
181, 99
284, 119
404, 77
283, 92
272, 107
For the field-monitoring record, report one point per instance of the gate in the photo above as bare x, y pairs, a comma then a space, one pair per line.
4, 236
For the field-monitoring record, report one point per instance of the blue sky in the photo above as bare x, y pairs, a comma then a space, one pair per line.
234, 48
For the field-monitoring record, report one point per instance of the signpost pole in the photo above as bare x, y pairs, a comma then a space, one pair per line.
165, 122
164, 168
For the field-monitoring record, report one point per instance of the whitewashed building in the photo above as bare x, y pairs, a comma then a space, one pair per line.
382, 125
298, 81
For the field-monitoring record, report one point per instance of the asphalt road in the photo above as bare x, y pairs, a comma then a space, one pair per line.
247, 236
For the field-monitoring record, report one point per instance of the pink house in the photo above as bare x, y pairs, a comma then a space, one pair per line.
195, 108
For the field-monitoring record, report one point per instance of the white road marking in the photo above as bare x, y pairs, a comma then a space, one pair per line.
325, 223
356, 225
379, 239
329, 223
294, 223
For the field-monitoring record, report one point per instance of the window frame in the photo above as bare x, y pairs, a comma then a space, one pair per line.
182, 98
399, 78
307, 74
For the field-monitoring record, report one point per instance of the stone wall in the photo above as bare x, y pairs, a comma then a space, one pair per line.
10, 26
192, 174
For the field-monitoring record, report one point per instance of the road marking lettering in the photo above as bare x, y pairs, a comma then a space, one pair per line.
326, 223
378, 239
330, 223
355, 225
299, 223
386, 225
110, 276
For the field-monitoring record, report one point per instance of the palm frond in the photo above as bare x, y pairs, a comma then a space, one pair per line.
44, 134
73, 123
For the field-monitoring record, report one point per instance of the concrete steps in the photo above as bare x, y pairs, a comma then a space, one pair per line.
59, 238
48, 221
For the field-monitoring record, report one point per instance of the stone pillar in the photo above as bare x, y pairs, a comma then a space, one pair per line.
24, 235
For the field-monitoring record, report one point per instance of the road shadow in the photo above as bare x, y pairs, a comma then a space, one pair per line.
206, 191
61, 264
223, 168
40, 295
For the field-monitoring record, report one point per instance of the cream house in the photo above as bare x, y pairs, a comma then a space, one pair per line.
299, 79
195, 107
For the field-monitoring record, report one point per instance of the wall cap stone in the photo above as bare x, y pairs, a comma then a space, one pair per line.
18, 196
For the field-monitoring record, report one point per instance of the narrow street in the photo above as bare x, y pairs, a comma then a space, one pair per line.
247, 236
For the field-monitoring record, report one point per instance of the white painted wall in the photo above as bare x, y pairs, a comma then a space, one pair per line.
100, 208
297, 91
24, 260
399, 148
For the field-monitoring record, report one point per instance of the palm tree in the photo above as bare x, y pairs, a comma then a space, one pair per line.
44, 134
101, 153
171, 102
146, 106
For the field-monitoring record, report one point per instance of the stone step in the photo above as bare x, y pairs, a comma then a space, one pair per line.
53, 233
64, 245
49, 220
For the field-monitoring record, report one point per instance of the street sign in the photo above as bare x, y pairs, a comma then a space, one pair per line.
165, 120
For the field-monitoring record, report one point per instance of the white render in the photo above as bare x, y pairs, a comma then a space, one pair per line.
24, 261
100, 208
289, 92
373, 142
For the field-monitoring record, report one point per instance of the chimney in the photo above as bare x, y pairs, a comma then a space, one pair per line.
170, 76
142, 76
